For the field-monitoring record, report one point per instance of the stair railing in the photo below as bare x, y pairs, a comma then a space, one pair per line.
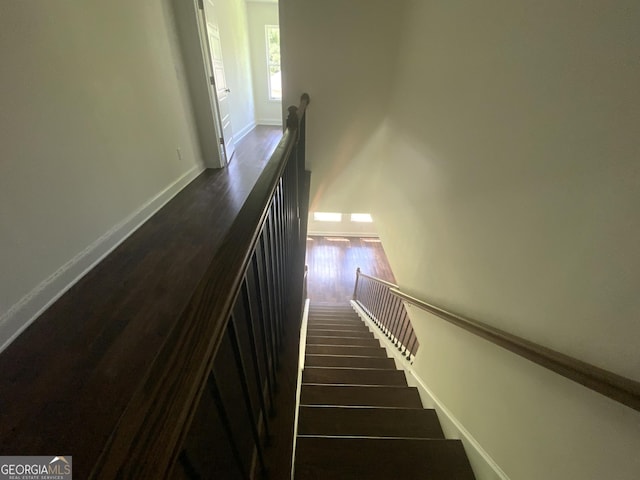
244, 305
380, 300
609, 384
387, 311
204, 358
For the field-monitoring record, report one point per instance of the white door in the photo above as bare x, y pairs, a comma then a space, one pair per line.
219, 82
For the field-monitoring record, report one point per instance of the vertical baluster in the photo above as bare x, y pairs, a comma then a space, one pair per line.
226, 424
248, 314
397, 314
407, 340
275, 262
413, 343
283, 239
385, 308
286, 238
370, 299
268, 344
373, 301
404, 331
297, 200
296, 189
378, 301
235, 343
392, 314
365, 293
362, 292
273, 275
267, 270
280, 257
289, 212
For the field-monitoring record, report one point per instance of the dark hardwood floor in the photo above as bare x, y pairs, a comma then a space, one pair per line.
77, 367
332, 263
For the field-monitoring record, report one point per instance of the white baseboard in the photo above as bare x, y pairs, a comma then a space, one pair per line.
484, 467
269, 121
15, 320
243, 133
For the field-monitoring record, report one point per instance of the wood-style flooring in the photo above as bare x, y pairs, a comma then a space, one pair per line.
68, 378
332, 263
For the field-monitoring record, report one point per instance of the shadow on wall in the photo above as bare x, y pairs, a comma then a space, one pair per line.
346, 62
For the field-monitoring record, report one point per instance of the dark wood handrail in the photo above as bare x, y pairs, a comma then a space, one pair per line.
612, 385
149, 435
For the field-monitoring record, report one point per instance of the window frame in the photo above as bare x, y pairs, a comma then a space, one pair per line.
267, 29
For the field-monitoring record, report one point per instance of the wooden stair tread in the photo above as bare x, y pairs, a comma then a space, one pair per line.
348, 361
380, 459
325, 332
346, 350
337, 326
360, 395
362, 342
358, 418
336, 320
369, 422
353, 376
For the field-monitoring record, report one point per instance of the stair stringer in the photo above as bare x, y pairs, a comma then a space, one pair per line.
483, 465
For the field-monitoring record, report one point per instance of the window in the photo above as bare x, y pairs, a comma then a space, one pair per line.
327, 217
361, 217
273, 62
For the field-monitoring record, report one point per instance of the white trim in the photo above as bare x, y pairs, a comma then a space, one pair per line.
244, 131
21, 314
414, 380
269, 121
303, 347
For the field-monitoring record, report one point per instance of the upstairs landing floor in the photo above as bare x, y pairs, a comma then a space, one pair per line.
332, 263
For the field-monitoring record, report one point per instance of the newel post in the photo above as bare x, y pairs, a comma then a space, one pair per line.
292, 118
296, 124
302, 132
355, 288
297, 120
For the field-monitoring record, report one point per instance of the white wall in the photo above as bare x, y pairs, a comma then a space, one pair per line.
505, 188
94, 108
345, 227
268, 112
341, 53
234, 39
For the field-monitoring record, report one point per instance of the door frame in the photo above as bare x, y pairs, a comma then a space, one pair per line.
213, 98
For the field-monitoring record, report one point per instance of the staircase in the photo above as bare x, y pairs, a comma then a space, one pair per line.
358, 418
